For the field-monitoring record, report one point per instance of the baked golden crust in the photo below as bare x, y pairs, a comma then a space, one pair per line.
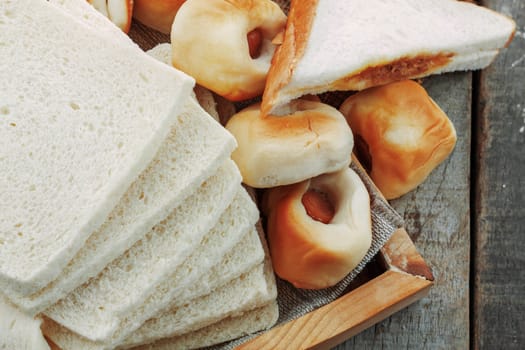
307, 252
297, 31
209, 42
130, 7
313, 138
401, 135
157, 14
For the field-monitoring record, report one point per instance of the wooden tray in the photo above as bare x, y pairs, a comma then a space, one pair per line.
396, 278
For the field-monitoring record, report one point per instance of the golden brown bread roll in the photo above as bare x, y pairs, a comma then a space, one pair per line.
227, 45
319, 229
312, 139
118, 11
400, 134
157, 14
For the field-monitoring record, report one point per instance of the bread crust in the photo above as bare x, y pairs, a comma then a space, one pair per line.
297, 31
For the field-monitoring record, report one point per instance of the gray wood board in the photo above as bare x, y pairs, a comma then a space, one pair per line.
437, 218
499, 245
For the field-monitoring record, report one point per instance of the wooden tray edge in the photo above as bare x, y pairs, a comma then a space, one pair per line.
406, 280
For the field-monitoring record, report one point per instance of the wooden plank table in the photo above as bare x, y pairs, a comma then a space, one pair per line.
468, 219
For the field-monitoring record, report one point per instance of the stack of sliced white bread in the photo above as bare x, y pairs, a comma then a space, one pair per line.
124, 221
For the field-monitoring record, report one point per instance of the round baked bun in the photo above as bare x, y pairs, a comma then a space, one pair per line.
319, 229
118, 11
312, 139
227, 45
157, 14
400, 134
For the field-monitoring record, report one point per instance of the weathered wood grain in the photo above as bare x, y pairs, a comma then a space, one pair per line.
499, 273
438, 220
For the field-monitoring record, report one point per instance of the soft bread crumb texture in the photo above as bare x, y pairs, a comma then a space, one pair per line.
230, 328
146, 201
127, 281
73, 152
227, 251
18, 330
224, 254
201, 147
252, 289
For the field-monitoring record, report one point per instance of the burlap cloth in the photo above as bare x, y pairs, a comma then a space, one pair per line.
294, 302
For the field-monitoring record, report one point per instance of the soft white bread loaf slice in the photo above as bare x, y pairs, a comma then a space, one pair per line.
228, 249
251, 290
18, 330
200, 144
86, 12
227, 329
162, 52
351, 45
192, 152
95, 308
74, 135
247, 250
238, 260
230, 328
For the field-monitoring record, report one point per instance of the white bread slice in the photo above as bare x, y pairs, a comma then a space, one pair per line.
230, 328
251, 290
95, 308
18, 330
86, 12
193, 150
247, 250
351, 45
162, 52
74, 139
244, 256
228, 249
